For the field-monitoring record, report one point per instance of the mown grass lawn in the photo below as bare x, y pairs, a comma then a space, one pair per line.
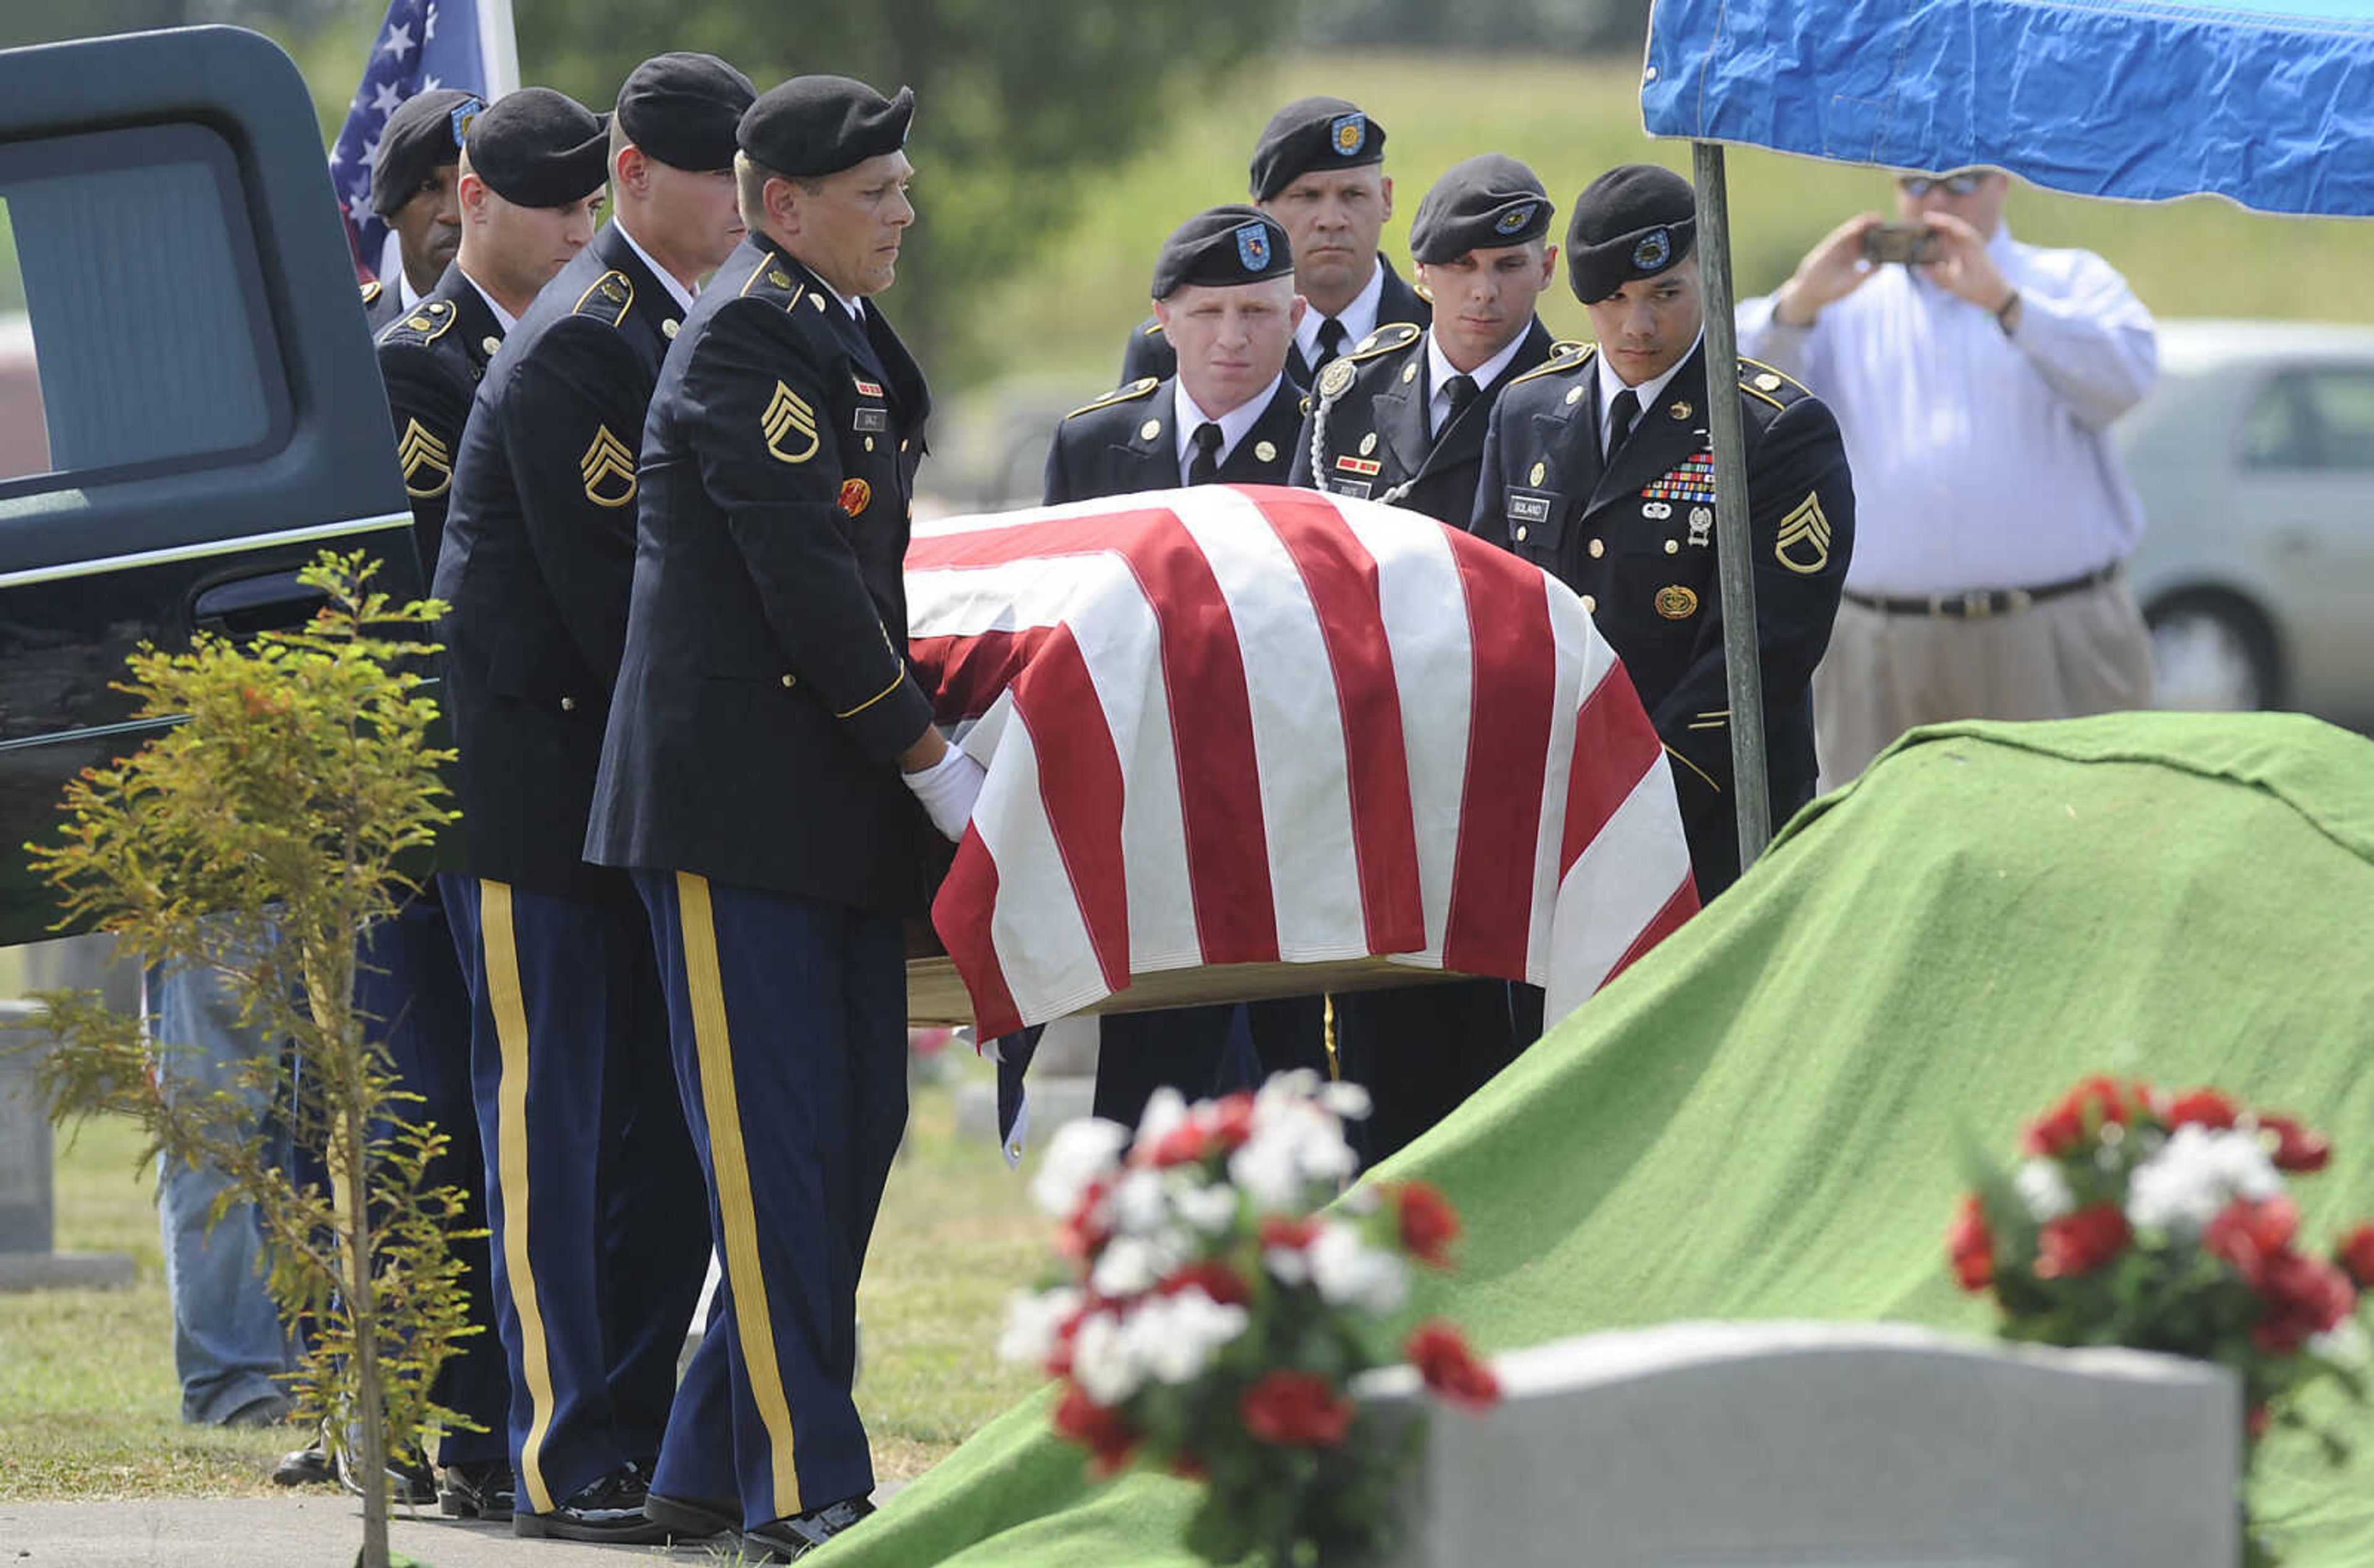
89, 1406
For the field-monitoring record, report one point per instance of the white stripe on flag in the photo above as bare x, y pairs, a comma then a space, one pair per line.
1573, 639
1040, 936
1425, 612
1612, 892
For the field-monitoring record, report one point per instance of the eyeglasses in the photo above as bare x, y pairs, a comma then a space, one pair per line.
1919, 185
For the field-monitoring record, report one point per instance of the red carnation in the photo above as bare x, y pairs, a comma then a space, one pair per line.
1276, 1230
2088, 1106
2297, 1149
1450, 1368
1214, 1278
2248, 1233
1232, 1120
1182, 1145
2304, 1296
2080, 1242
1090, 1227
1107, 1434
2200, 1108
1296, 1409
1429, 1224
2357, 1254
1972, 1246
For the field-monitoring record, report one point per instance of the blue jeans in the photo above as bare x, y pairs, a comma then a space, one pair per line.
228, 1344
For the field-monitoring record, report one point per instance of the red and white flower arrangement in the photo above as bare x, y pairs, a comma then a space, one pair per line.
1209, 1316
2162, 1221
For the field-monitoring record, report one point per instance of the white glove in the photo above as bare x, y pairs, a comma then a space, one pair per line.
948, 789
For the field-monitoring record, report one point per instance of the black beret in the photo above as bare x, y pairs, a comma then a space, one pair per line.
420, 137
1486, 203
682, 109
1313, 133
813, 125
1223, 246
536, 147
1635, 220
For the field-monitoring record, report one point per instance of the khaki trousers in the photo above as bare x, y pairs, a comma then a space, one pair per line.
2083, 652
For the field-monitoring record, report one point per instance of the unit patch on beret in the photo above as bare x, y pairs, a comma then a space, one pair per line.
1347, 134
1514, 220
1253, 246
1650, 253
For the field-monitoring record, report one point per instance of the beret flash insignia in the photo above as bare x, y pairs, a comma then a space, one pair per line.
1655, 249
1253, 246
1516, 217
1347, 134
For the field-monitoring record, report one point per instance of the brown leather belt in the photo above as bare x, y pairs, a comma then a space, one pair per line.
1980, 603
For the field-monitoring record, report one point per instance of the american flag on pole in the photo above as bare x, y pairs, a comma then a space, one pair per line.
1248, 725
422, 45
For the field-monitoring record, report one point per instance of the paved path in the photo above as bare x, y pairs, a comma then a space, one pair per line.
317, 1530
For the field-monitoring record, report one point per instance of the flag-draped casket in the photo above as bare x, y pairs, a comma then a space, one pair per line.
1245, 725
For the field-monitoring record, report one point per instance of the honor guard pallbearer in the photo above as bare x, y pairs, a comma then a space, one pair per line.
760, 776
415, 189
1224, 291
1600, 469
531, 173
1318, 171
1400, 418
592, 1174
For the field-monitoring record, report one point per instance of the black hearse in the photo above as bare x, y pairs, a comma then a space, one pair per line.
208, 414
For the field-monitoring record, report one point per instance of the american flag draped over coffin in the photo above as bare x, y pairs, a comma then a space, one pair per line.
1248, 725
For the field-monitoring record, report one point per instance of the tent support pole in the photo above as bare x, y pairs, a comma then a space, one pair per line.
1734, 551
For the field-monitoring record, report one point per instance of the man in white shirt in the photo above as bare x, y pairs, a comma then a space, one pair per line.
416, 191
1976, 385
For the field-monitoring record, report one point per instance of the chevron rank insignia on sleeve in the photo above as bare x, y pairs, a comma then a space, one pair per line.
608, 469
1804, 545
428, 461
787, 419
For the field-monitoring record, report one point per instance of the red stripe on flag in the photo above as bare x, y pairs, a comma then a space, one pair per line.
960, 914
1341, 578
964, 674
1614, 745
1508, 751
1082, 792
1210, 706
1670, 918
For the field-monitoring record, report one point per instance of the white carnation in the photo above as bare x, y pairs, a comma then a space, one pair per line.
2045, 1189
1127, 1266
1349, 1273
1348, 1101
1139, 1207
1173, 1337
1287, 1265
1081, 1153
2343, 1344
1033, 1320
1266, 1170
1101, 1362
2197, 1173
1210, 1208
1165, 1113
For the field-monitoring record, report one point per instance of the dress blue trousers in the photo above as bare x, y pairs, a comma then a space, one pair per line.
788, 1017
409, 986
594, 1197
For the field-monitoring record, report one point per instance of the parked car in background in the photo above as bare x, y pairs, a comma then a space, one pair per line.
2254, 456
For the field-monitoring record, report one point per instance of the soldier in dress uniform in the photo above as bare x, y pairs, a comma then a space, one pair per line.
762, 728
1400, 418
592, 1174
413, 190
1598, 467
531, 174
1319, 170
1224, 291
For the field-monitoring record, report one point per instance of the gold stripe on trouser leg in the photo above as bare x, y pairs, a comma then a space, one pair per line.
1327, 1037
752, 1316
504, 998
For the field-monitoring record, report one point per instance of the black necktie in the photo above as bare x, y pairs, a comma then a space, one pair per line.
1620, 415
1461, 390
1330, 341
1204, 466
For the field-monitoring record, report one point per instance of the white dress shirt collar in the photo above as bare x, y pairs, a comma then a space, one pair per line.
1438, 372
406, 295
1359, 318
1233, 424
502, 317
676, 290
1648, 392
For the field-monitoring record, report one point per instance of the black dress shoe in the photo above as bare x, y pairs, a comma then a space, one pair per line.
412, 1485
610, 1509
692, 1518
788, 1541
479, 1490
304, 1467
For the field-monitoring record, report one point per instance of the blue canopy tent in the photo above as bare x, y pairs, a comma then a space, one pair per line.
2269, 103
